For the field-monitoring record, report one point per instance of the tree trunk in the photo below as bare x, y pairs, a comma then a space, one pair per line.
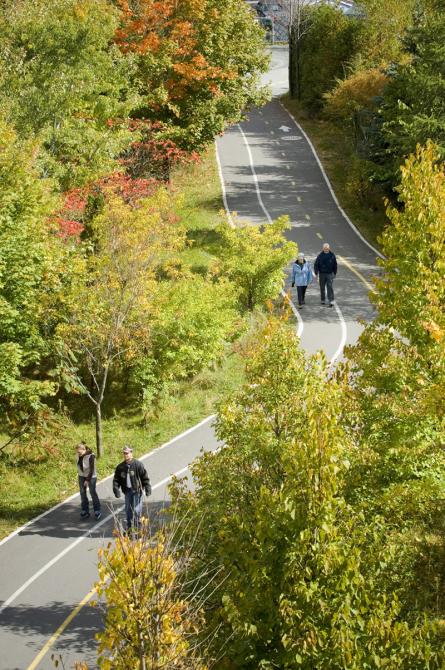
297, 70
291, 63
99, 444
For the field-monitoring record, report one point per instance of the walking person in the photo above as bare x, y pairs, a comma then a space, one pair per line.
86, 470
301, 277
325, 267
132, 479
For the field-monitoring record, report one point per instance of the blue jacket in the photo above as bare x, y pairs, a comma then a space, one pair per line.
326, 263
301, 274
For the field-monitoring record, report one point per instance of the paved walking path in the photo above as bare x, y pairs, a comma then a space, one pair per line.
47, 569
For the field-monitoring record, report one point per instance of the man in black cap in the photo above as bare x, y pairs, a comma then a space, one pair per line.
132, 479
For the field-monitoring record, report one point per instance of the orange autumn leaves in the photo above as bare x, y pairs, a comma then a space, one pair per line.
173, 33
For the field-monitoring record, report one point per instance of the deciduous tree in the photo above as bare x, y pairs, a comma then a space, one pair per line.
199, 63
301, 571
254, 259
110, 319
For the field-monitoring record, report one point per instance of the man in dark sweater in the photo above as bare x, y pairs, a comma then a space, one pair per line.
325, 268
132, 479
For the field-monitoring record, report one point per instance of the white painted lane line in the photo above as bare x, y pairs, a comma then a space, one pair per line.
307, 217
76, 495
318, 235
74, 544
326, 178
254, 175
223, 186
344, 333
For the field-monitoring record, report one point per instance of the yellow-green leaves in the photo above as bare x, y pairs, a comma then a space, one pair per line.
254, 259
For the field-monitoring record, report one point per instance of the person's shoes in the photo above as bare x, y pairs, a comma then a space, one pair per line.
299, 306
97, 515
322, 303
331, 304
84, 515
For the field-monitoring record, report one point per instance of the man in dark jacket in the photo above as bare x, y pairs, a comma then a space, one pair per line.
131, 478
325, 268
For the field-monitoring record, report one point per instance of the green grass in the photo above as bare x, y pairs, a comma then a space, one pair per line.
31, 483
335, 149
201, 211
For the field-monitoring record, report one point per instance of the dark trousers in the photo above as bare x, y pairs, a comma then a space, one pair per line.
84, 502
133, 508
326, 280
301, 292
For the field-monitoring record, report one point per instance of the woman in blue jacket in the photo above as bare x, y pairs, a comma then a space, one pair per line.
302, 276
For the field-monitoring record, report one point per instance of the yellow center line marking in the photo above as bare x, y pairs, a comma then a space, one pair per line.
60, 630
357, 273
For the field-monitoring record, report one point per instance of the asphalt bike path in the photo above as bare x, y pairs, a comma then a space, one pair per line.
50, 565
268, 169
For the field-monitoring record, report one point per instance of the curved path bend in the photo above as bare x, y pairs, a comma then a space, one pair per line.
48, 568
269, 168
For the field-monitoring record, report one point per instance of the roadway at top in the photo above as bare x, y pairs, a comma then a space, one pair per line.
268, 169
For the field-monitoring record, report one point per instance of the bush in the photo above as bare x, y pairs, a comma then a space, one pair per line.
354, 93
194, 321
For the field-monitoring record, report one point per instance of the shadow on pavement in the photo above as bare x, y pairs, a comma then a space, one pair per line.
65, 522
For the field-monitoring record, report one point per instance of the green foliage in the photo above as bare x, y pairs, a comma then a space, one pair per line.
381, 30
254, 258
199, 64
301, 584
32, 261
62, 81
195, 318
413, 110
398, 371
326, 47
114, 298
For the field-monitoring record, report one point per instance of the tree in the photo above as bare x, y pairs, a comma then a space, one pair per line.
199, 64
253, 259
413, 109
325, 49
110, 319
63, 79
35, 269
398, 381
301, 582
195, 319
148, 623
297, 19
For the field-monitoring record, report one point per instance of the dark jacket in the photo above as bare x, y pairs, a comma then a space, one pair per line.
326, 263
138, 476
